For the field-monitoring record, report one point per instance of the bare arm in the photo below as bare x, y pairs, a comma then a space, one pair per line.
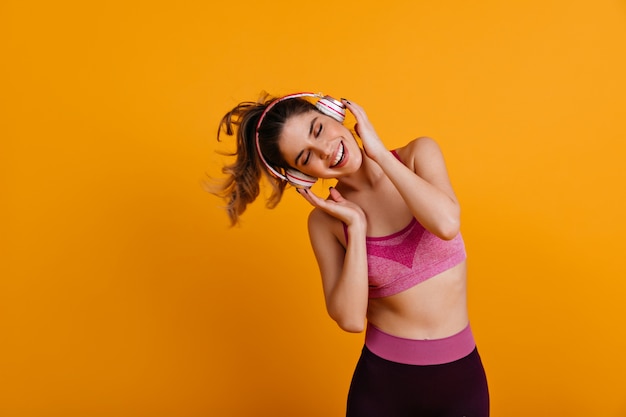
426, 190
343, 271
421, 178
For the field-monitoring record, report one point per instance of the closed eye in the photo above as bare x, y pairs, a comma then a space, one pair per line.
316, 135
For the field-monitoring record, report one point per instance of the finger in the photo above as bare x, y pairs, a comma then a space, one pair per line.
349, 103
306, 195
352, 106
311, 197
357, 111
335, 195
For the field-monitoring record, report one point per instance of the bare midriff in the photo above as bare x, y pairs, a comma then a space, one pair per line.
433, 309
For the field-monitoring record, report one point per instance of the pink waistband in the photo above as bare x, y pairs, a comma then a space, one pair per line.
420, 352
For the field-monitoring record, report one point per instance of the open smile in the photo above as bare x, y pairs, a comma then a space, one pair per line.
339, 156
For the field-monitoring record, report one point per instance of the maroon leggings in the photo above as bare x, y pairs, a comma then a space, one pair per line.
382, 388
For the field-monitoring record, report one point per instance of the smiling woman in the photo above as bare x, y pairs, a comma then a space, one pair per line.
388, 246
323, 147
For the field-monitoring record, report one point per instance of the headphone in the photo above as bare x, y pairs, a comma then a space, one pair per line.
325, 104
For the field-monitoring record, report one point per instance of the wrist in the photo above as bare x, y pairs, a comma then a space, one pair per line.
382, 156
357, 228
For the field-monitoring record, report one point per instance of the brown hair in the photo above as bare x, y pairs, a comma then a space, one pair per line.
242, 184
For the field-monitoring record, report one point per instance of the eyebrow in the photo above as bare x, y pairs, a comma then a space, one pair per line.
310, 133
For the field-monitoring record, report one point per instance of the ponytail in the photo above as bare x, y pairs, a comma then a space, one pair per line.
242, 183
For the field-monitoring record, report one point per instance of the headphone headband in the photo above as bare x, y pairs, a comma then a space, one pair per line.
327, 105
273, 170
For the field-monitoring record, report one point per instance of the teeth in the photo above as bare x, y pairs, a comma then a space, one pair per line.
339, 155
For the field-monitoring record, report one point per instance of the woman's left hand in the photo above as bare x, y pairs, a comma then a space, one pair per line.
372, 144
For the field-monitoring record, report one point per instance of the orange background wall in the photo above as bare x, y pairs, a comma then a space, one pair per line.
124, 293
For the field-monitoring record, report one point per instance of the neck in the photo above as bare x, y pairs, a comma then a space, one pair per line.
365, 178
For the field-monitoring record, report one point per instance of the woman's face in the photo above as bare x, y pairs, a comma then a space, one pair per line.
318, 145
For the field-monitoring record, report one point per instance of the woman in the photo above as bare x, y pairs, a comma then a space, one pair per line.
388, 246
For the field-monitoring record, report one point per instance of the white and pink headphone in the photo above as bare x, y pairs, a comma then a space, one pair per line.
325, 104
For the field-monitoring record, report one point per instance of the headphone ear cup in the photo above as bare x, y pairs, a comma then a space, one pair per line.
331, 107
299, 179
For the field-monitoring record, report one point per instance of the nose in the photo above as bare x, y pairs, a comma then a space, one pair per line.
323, 149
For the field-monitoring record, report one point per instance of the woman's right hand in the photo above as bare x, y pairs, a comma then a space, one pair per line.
337, 206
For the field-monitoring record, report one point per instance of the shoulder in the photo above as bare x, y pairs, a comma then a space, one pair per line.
419, 146
420, 151
324, 227
317, 217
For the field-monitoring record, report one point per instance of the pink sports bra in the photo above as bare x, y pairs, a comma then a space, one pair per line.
405, 258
